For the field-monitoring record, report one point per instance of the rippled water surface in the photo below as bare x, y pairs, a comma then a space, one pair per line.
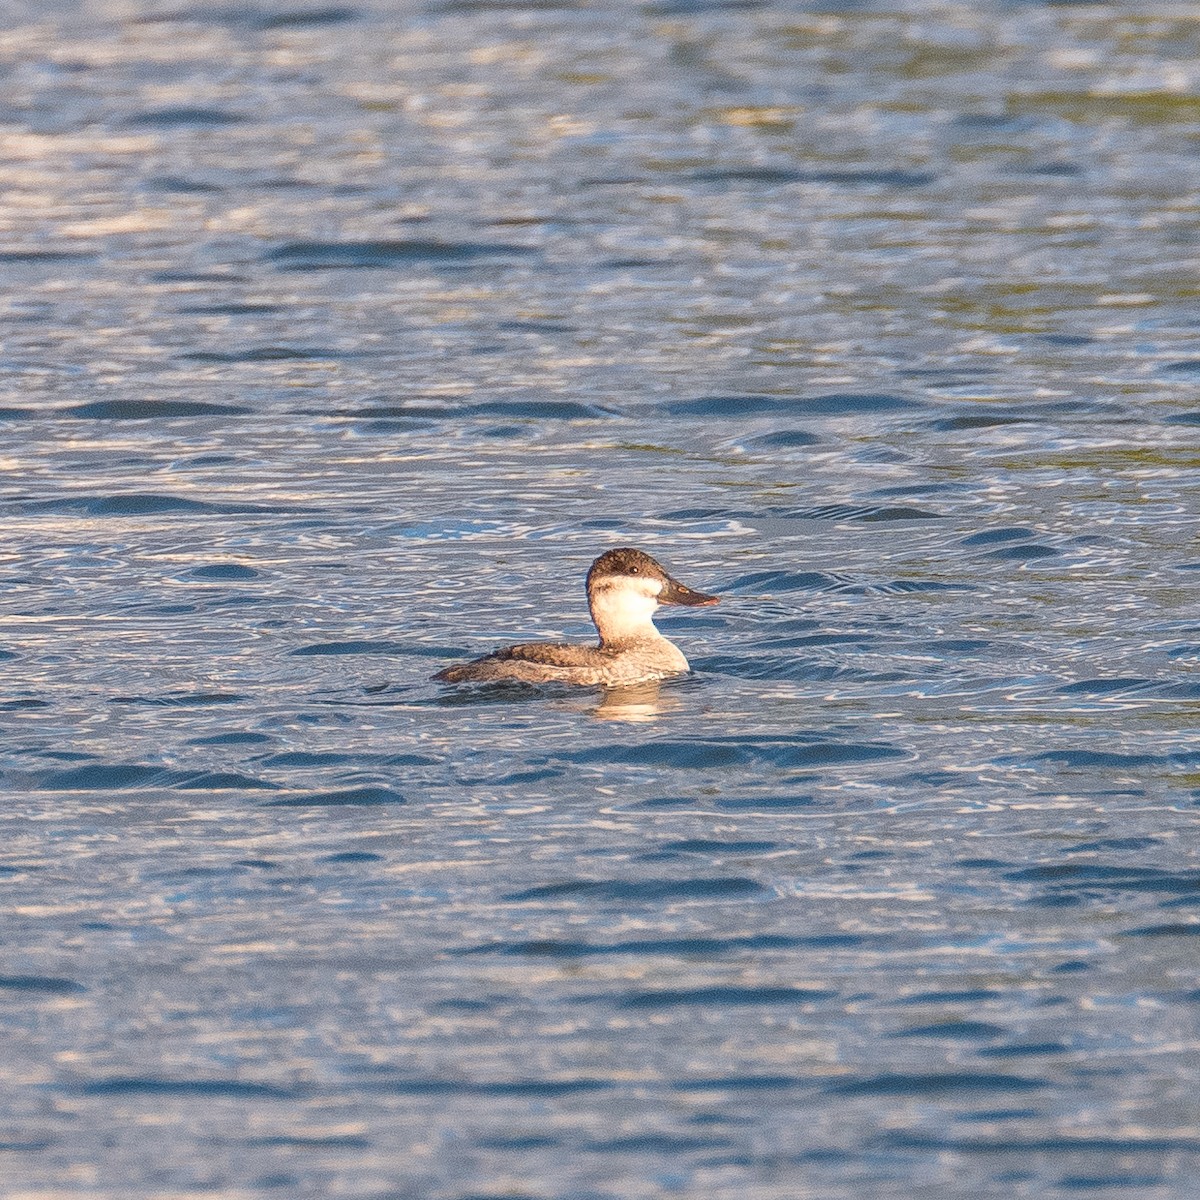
339, 340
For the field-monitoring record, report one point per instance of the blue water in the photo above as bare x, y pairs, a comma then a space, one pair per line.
339, 340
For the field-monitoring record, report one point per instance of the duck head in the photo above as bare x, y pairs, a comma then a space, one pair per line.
625, 588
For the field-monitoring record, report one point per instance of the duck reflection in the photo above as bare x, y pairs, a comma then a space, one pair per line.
643, 702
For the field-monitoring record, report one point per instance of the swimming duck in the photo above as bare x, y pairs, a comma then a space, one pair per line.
624, 587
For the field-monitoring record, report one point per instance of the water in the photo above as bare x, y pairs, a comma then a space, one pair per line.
339, 340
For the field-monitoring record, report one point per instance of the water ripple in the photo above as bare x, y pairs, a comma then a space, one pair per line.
340, 339
317, 256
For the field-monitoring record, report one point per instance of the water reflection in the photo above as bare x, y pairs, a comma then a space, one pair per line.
640, 704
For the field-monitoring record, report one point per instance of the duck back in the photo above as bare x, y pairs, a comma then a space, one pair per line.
555, 662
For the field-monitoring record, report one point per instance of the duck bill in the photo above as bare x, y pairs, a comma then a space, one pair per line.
678, 593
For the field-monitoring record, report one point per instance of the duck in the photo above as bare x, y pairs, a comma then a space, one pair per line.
624, 589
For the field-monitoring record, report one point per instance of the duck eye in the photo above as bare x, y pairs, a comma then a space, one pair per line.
634, 570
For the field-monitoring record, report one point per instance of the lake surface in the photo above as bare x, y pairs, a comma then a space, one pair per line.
339, 340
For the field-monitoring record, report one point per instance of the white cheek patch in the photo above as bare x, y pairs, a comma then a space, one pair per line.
635, 603
637, 591
624, 607
643, 584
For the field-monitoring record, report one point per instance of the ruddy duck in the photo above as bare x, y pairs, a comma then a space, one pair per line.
624, 587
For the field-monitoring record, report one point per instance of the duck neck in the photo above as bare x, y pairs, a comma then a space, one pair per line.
623, 617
